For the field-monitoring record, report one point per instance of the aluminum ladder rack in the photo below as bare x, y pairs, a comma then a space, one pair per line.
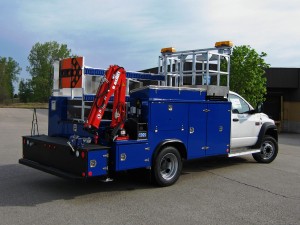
206, 68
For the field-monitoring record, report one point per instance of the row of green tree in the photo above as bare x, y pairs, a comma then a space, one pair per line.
9, 71
247, 73
41, 58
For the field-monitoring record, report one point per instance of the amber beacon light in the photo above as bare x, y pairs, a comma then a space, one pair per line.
223, 44
169, 49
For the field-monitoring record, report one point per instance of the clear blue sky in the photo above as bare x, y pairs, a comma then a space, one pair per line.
131, 33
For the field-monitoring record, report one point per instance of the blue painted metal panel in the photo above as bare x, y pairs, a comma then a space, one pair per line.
169, 94
57, 113
203, 127
133, 75
218, 128
58, 124
132, 155
168, 116
167, 120
197, 130
89, 98
156, 138
94, 72
210, 124
97, 162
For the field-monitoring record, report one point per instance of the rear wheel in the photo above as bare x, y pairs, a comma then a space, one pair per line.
167, 166
268, 150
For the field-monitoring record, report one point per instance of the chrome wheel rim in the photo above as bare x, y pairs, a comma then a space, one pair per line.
267, 150
168, 166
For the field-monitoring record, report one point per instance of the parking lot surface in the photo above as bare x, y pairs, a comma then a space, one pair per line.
209, 191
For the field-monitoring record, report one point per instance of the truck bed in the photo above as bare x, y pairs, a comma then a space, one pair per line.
55, 156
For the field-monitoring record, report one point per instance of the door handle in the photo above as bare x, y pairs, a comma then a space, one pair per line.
235, 120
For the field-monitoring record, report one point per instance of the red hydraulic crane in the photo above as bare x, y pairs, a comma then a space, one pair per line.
114, 83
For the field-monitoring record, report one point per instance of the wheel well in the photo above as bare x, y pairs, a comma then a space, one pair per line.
273, 133
266, 129
174, 143
181, 148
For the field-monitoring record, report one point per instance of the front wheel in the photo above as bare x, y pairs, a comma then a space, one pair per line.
167, 166
268, 150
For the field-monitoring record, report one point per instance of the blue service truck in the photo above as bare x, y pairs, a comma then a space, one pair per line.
186, 111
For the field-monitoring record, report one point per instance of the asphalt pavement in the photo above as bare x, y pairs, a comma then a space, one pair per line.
209, 191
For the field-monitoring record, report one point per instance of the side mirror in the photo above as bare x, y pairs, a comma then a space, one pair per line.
235, 111
259, 108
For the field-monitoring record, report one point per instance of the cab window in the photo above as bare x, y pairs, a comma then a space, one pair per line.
238, 104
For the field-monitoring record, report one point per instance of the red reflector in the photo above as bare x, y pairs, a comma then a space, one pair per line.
124, 138
83, 174
24, 141
90, 173
227, 150
82, 155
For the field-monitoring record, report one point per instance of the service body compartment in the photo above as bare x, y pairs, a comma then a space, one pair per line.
131, 155
97, 162
218, 128
209, 129
55, 156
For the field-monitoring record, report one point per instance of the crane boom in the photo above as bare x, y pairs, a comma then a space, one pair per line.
114, 83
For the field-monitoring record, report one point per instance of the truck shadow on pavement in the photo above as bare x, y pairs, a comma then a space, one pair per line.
22, 186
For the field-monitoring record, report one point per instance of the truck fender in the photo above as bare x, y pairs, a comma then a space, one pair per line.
178, 144
267, 128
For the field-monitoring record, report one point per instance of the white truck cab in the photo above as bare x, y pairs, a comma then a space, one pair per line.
251, 130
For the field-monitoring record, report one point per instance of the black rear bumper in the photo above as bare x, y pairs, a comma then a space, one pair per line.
50, 170
53, 155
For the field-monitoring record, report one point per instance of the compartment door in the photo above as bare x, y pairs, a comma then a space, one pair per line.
218, 128
132, 156
197, 130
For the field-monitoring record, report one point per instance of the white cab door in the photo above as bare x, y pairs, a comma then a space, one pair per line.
245, 125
